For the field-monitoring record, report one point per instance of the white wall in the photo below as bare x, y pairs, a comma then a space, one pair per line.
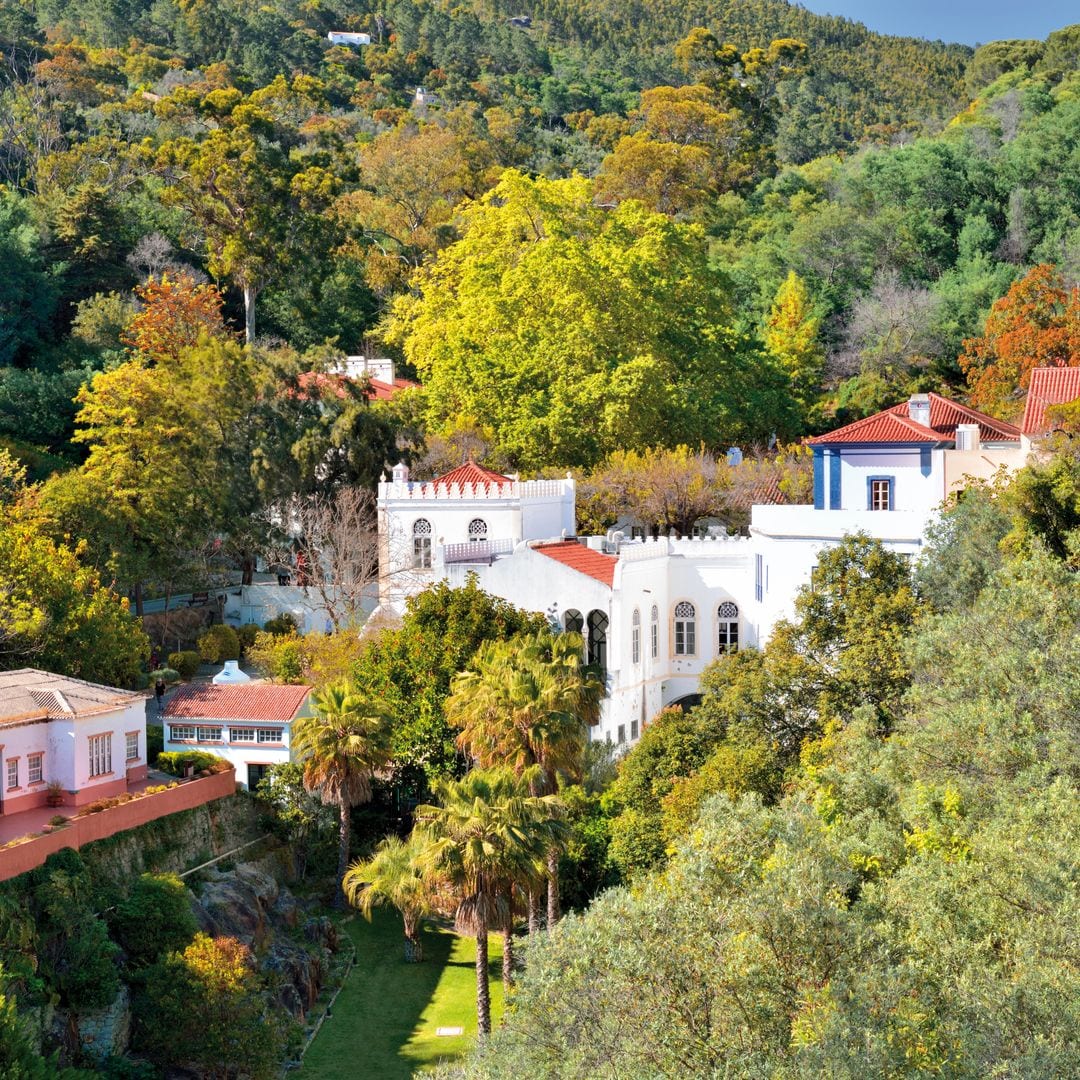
116, 724
911, 490
239, 755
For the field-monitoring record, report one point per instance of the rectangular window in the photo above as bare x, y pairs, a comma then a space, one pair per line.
622, 734
654, 632
100, 748
685, 643
759, 578
181, 733
422, 552
132, 745
636, 643
242, 734
209, 734
270, 735
13, 772
33, 769
633, 729
729, 636
880, 494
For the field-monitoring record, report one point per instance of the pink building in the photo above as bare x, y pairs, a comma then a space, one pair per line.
90, 739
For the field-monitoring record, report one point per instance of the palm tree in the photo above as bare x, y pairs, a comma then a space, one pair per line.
524, 703
341, 747
487, 834
392, 876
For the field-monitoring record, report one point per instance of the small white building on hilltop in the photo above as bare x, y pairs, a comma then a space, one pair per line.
654, 613
88, 738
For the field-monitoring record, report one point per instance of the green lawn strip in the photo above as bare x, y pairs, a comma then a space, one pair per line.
385, 1017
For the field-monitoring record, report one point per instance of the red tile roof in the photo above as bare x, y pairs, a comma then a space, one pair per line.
893, 425
594, 564
471, 473
317, 382
946, 416
384, 391
1049, 386
249, 701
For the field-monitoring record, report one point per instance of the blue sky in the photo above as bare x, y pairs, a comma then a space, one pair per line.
969, 21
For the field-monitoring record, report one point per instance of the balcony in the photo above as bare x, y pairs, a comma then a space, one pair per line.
480, 552
806, 523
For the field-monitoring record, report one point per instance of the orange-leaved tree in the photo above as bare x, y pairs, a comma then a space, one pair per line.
1035, 324
174, 313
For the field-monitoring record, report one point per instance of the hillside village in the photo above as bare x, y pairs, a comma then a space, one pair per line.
534, 547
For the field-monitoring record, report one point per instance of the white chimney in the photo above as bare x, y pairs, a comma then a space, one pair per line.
919, 409
734, 456
230, 674
400, 473
967, 436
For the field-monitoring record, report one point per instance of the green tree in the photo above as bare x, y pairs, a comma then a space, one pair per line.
393, 876
528, 704
550, 308
153, 918
487, 833
792, 337
341, 747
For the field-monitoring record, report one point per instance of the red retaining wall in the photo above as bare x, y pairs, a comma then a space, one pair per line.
83, 830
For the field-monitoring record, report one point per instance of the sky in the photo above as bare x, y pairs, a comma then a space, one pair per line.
969, 21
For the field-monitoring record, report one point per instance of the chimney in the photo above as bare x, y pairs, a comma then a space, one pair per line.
919, 409
734, 456
967, 436
400, 473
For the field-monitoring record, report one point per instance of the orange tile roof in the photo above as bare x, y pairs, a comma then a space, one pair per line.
471, 473
249, 701
946, 416
894, 425
1049, 386
570, 553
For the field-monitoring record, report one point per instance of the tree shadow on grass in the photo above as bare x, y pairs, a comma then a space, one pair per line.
385, 1017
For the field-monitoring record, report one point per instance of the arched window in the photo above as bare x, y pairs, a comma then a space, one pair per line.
727, 619
685, 629
635, 636
421, 544
477, 530
597, 639
654, 631
573, 623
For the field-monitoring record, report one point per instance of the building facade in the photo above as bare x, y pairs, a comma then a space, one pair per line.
655, 612
88, 739
249, 724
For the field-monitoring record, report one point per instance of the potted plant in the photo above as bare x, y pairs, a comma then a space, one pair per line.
54, 793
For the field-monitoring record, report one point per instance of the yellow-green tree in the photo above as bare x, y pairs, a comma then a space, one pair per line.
791, 336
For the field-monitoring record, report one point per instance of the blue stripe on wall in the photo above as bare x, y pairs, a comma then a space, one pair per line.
834, 480
924, 460
819, 478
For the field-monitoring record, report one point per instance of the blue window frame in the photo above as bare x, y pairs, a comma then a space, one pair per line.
759, 578
879, 493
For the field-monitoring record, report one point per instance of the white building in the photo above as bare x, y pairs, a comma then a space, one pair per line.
88, 738
654, 613
247, 724
346, 37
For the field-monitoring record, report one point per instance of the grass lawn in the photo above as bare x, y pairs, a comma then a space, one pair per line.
385, 1017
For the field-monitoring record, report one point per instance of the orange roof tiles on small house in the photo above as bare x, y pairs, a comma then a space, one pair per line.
1049, 386
584, 560
939, 420
248, 701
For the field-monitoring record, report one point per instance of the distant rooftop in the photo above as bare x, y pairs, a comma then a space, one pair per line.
1049, 386
30, 694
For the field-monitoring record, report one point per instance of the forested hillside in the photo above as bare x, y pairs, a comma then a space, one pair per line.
599, 214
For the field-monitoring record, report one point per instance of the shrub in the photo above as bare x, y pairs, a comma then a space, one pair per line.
57, 821
218, 644
282, 624
247, 635
282, 657
170, 675
186, 662
175, 761
155, 741
154, 918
